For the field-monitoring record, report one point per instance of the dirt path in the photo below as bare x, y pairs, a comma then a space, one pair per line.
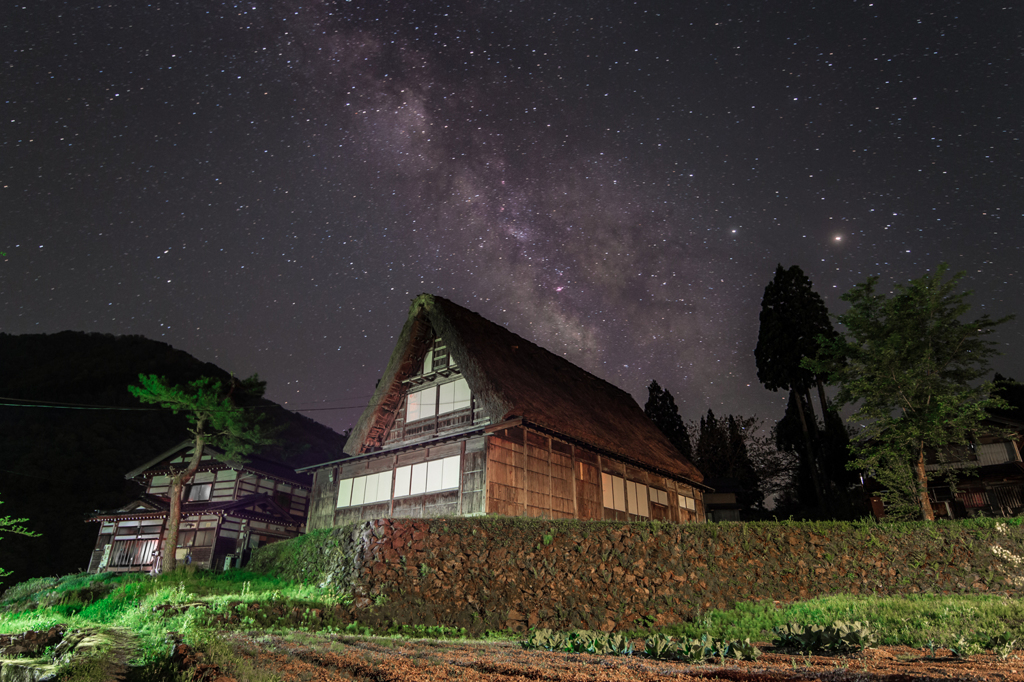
323, 658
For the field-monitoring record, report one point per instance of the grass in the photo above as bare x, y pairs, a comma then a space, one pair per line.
912, 620
128, 600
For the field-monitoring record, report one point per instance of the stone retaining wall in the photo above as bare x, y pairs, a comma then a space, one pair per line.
511, 573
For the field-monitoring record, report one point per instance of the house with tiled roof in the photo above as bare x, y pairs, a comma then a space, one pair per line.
228, 509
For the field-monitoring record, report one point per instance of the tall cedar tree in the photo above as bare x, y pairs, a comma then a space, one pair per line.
721, 452
661, 409
908, 363
9, 525
216, 419
792, 318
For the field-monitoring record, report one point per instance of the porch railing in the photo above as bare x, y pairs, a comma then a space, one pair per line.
422, 428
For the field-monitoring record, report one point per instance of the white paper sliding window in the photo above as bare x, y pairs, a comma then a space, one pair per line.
403, 476
687, 503
622, 495
428, 477
454, 396
637, 494
659, 497
421, 404
614, 490
371, 489
419, 478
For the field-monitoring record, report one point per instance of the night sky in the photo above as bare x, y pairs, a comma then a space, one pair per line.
267, 185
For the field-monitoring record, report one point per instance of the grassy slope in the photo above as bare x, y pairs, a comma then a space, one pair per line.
128, 602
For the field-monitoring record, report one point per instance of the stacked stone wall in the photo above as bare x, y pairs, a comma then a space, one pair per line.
510, 573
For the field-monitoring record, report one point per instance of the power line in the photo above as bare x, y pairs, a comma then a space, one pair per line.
80, 406
76, 407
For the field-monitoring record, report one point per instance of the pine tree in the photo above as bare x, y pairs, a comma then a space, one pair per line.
216, 419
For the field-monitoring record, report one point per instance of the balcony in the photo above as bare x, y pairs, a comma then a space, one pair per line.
431, 426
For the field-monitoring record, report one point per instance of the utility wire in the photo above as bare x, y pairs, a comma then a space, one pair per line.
21, 402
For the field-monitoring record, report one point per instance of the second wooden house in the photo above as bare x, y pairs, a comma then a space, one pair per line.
470, 418
228, 509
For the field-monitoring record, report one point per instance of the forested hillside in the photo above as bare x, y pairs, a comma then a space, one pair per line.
57, 466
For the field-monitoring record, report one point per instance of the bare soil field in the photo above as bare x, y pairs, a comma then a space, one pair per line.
325, 658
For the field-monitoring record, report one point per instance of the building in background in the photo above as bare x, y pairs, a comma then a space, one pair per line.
989, 473
228, 510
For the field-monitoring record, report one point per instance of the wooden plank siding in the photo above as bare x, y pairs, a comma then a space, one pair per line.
515, 471
324, 499
536, 475
506, 473
588, 488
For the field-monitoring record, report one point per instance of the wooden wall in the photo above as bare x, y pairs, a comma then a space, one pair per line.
532, 474
513, 472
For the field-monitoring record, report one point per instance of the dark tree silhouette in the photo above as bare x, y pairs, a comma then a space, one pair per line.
1013, 393
721, 452
661, 409
792, 318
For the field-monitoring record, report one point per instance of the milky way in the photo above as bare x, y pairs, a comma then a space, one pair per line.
266, 185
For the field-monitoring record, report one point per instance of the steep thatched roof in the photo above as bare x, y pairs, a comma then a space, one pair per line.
511, 377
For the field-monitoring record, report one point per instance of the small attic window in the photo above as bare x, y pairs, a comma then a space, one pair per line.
440, 359
436, 358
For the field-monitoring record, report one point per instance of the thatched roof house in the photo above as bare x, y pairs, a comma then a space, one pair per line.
533, 433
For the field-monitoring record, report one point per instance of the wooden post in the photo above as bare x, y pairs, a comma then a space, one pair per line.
462, 475
551, 511
572, 465
391, 502
487, 473
523, 496
625, 489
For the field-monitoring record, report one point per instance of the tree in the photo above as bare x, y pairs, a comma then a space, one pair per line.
217, 420
793, 317
722, 451
9, 525
908, 362
796, 494
661, 409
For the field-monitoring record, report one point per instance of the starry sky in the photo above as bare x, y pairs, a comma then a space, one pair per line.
266, 185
